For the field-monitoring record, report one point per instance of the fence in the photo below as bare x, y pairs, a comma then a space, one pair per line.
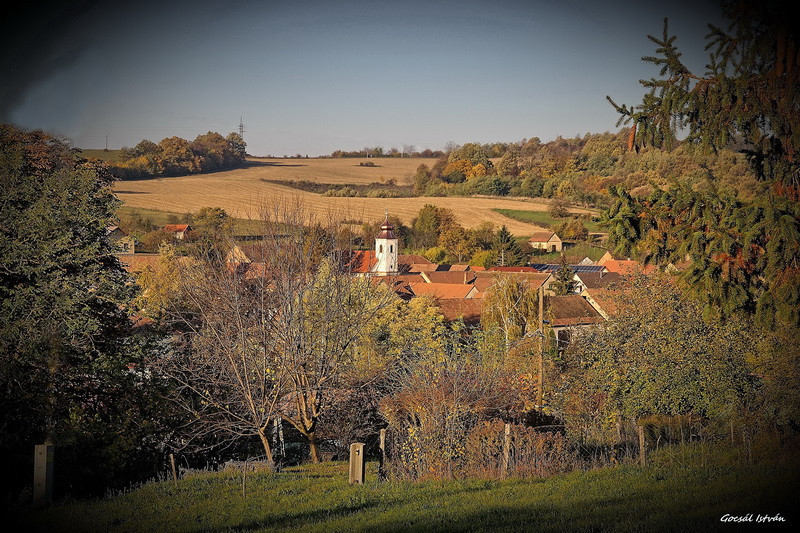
495, 449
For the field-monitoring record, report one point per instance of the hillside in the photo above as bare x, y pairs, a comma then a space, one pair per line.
242, 192
687, 488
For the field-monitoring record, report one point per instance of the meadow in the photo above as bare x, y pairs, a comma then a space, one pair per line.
243, 193
684, 488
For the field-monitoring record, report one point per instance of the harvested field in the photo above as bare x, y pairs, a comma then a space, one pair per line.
242, 193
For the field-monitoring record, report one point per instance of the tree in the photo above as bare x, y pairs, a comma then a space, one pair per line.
65, 336
749, 93
508, 249
226, 376
510, 305
431, 222
563, 279
658, 356
507, 166
744, 254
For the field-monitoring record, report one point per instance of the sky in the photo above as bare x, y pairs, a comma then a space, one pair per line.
311, 77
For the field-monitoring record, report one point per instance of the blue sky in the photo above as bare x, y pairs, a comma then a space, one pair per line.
313, 77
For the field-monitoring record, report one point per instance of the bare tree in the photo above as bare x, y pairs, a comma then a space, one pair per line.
269, 329
321, 312
226, 374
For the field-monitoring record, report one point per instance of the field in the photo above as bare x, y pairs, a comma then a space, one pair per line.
686, 489
243, 194
542, 218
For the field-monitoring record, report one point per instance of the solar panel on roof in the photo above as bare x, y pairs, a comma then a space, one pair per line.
546, 267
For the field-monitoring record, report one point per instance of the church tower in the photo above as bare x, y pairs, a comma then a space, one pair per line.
386, 251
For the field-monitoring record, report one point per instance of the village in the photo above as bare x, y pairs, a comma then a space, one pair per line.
457, 290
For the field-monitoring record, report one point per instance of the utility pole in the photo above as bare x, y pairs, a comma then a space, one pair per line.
540, 392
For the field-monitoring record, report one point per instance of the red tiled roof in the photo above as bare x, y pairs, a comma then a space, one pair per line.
469, 309
541, 236
137, 263
412, 259
442, 290
176, 227
594, 280
362, 261
604, 300
421, 267
512, 269
449, 277
571, 310
628, 266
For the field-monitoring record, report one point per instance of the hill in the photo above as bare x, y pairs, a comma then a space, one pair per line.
243, 192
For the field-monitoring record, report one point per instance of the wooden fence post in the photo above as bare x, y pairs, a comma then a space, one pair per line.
356, 463
642, 459
174, 470
506, 448
382, 459
43, 456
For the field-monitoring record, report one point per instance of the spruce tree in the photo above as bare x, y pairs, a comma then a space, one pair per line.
744, 256
509, 252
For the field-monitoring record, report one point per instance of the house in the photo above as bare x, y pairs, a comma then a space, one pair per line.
448, 277
138, 263
484, 280
466, 309
444, 290
568, 315
595, 280
178, 230
626, 266
545, 240
121, 242
603, 300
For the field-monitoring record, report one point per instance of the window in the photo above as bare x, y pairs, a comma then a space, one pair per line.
391, 248
380, 248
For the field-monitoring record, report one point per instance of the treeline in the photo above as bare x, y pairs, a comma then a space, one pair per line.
175, 156
579, 169
378, 151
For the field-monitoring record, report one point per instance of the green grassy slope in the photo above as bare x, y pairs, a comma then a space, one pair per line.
690, 491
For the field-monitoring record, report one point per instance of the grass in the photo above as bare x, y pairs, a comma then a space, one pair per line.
241, 226
680, 491
541, 218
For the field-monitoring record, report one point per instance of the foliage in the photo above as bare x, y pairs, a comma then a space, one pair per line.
174, 156
748, 94
742, 256
508, 249
511, 306
66, 342
430, 223
658, 356
563, 279
437, 397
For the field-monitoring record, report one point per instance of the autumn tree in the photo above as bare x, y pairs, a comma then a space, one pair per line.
657, 356
226, 375
511, 306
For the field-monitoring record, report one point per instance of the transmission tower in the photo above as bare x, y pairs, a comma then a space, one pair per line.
241, 128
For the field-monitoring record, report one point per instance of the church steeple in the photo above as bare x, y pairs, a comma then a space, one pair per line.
386, 251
